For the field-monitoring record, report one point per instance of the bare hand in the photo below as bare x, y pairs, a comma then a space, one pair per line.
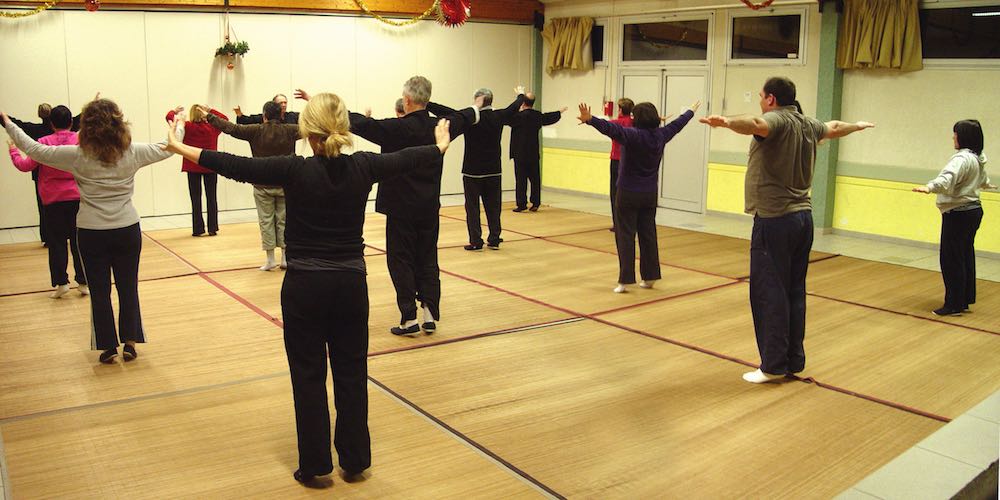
921, 189
238, 111
301, 94
563, 109
715, 121
172, 141
665, 118
696, 105
97, 96
178, 110
4, 119
368, 112
442, 133
10, 144
585, 115
519, 90
864, 125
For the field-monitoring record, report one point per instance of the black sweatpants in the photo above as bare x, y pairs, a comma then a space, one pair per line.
327, 312
636, 215
525, 171
487, 188
103, 252
194, 189
412, 259
958, 257
614, 188
60, 220
779, 259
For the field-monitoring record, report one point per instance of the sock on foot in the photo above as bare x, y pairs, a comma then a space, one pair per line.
646, 283
270, 263
84, 289
759, 377
620, 288
284, 259
59, 291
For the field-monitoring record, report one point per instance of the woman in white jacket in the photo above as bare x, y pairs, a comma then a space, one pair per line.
957, 188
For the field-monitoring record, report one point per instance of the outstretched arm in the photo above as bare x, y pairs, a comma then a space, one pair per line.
59, 157
22, 163
244, 132
272, 170
836, 128
386, 166
438, 110
552, 116
613, 130
744, 124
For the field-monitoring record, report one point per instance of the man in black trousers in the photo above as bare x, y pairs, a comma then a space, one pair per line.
524, 127
481, 170
37, 131
411, 203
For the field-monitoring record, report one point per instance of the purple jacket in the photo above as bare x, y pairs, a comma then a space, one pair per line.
642, 150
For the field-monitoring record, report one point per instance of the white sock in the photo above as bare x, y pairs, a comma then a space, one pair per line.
270, 263
83, 289
59, 291
620, 288
408, 323
284, 259
428, 317
646, 284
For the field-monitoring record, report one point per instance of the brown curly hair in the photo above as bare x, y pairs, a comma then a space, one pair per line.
104, 133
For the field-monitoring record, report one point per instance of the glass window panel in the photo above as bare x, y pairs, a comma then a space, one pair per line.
667, 41
597, 43
770, 37
960, 33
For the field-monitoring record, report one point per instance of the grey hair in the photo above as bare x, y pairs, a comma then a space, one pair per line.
418, 89
488, 100
399, 106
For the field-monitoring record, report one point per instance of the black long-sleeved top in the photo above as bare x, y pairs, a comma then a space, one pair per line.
290, 117
524, 127
325, 197
416, 194
482, 140
38, 130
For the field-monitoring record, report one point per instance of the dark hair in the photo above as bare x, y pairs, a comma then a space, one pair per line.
970, 135
782, 89
272, 110
626, 105
61, 118
104, 133
645, 115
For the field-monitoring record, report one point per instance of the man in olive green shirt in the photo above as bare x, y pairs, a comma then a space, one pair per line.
778, 179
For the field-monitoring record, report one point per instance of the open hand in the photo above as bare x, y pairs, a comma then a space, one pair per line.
4, 119
238, 111
442, 133
301, 94
10, 144
695, 105
665, 118
178, 110
864, 125
97, 96
519, 90
715, 121
172, 141
921, 189
585, 115
368, 112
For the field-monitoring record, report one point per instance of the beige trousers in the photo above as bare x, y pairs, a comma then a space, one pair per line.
270, 203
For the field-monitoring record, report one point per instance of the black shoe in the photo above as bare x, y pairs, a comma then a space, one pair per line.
534, 208
108, 356
410, 330
612, 229
197, 234
350, 476
473, 247
429, 327
213, 233
494, 246
301, 477
519, 209
947, 311
128, 353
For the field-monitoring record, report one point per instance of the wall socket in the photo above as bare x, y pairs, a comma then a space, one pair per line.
746, 96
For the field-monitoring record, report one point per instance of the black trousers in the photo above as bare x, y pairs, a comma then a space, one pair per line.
636, 214
61, 225
487, 188
104, 252
614, 188
412, 259
526, 170
327, 312
958, 257
42, 230
194, 189
779, 259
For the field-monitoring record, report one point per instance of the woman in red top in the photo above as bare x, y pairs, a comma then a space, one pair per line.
201, 135
624, 119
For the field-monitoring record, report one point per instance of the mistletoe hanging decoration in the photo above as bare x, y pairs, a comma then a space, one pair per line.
757, 6
229, 49
454, 13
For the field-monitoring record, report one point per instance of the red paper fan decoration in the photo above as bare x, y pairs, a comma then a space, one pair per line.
453, 13
92, 5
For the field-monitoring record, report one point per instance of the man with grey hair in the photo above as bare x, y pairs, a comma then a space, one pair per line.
411, 203
481, 168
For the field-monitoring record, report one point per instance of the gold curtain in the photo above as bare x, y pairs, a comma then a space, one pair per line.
880, 34
567, 38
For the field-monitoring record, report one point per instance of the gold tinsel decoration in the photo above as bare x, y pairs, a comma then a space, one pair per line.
427, 13
41, 8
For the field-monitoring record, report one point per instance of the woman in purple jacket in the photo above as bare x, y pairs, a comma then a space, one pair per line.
635, 210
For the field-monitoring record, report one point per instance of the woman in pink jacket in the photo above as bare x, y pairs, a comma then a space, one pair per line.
60, 203
201, 135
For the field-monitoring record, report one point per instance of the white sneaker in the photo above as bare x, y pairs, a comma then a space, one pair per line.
759, 377
620, 289
646, 284
59, 291
83, 289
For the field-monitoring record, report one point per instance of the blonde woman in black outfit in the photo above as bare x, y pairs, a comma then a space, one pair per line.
324, 298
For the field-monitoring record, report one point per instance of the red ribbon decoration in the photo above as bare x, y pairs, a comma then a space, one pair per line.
453, 13
763, 5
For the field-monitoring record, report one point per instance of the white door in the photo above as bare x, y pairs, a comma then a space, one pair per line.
683, 172
641, 87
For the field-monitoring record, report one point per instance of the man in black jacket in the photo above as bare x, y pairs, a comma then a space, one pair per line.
481, 172
524, 127
286, 116
411, 203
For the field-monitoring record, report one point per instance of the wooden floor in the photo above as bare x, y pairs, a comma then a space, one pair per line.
539, 382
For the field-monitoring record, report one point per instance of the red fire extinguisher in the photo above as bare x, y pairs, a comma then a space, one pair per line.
609, 108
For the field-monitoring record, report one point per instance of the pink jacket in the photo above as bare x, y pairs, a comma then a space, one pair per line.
53, 185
